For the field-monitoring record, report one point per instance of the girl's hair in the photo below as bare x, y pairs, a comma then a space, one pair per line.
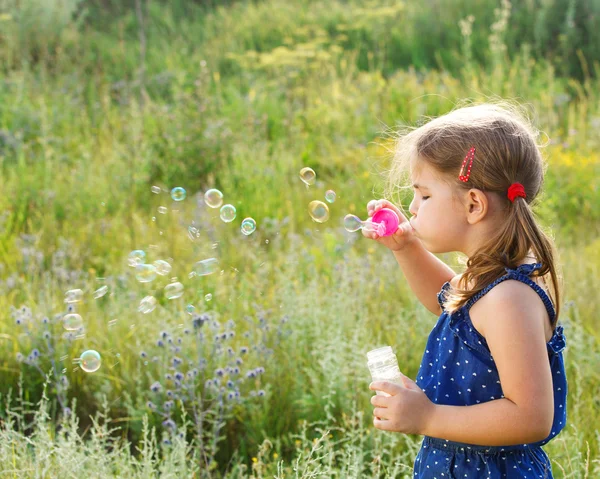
506, 152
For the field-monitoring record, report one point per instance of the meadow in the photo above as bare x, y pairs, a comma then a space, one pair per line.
257, 370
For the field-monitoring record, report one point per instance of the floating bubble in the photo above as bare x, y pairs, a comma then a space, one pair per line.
145, 273
208, 297
174, 290
213, 198
248, 226
206, 267
318, 211
227, 213
330, 196
193, 233
147, 305
308, 175
162, 267
136, 257
162, 210
90, 361
178, 193
190, 309
73, 296
156, 190
100, 292
72, 322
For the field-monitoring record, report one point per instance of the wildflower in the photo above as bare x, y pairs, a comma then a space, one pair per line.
250, 374
156, 387
230, 384
168, 377
179, 376
169, 393
168, 405
20, 357
236, 371
167, 442
231, 334
261, 393
230, 396
243, 350
260, 370
164, 334
219, 372
169, 424
143, 354
151, 405
160, 343
224, 336
177, 361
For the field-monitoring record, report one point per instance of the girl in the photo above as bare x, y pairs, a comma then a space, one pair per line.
491, 388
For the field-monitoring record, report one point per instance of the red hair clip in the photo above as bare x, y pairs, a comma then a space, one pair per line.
470, 156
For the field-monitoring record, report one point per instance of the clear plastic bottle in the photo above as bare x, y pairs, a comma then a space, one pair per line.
383, 365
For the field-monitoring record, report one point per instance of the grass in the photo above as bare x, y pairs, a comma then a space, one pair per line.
241, 99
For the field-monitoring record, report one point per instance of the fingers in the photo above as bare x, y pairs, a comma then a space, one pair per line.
375, 205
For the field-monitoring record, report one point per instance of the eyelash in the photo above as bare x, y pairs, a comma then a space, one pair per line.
425, 197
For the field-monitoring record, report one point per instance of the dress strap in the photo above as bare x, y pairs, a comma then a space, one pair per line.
521, 273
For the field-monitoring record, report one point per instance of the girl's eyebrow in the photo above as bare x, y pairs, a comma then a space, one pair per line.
416, 186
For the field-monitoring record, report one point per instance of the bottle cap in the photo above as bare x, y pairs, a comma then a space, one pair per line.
389, 219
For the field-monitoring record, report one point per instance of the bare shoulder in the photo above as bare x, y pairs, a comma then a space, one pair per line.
513, 302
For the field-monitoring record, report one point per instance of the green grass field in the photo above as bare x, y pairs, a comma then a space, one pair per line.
101, 100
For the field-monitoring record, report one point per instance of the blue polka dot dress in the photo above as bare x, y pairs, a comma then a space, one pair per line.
458, 369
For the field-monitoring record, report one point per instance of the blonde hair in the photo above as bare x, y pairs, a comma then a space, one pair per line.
506, 152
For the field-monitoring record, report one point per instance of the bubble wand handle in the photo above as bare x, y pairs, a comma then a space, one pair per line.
388, 219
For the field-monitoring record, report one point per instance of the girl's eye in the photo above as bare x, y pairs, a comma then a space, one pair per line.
425, 197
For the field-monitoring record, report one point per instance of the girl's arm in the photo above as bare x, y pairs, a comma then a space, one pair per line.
425, 273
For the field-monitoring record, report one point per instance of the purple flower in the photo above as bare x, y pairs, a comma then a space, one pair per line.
168, 376
143, 354
168, 405
156, 387
219, 372
177, 361
243, 350
250, 374
169, 424
169, 393
179, 376
261, 393
151, 405
160, 343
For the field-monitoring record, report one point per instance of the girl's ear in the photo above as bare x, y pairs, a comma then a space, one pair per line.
476, 205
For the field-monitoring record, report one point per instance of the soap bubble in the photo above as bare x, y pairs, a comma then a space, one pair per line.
208, 297
174, 290
72, 322
162, 267
193, 233
145, 273
352, 223
73, 296
147, 305
318, 211
156, 190
162, 210
206, 267
100, 292
190, 309
178, 193
90, 361
308, 175
227, 213
330, 196
213, 198
136, 257
248, 226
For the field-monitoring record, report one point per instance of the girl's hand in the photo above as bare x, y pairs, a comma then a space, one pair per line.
403, 236
407, 409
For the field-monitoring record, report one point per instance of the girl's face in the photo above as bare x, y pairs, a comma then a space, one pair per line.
439, 220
